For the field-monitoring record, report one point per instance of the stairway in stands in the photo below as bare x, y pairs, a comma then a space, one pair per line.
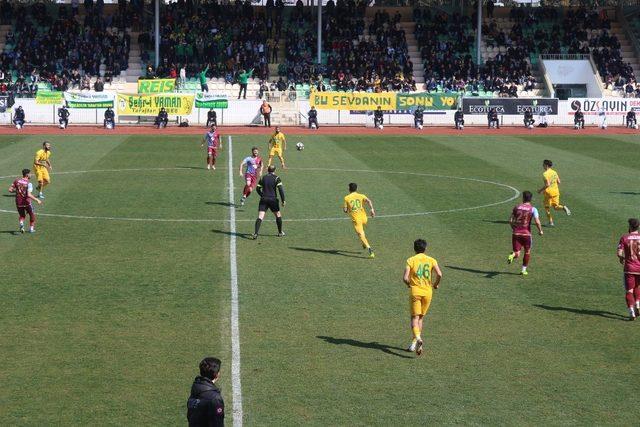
408, 25
136, 67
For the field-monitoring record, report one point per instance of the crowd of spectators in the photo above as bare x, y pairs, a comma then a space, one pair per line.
52, 45
589, 31
444, 42
226, 39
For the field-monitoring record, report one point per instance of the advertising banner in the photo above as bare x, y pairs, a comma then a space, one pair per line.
150, 105
611, 106
355, 101
89, 100
48, 98
4, 103
428, 101
156, 85
512, 106
211, 100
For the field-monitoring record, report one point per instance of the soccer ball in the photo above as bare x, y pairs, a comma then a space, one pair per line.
461, 127
635, 126
109, 125
381, 127
576, 126
18, 126
530, 126
604, 126
300, 146
313, 126
420, 126
62, 126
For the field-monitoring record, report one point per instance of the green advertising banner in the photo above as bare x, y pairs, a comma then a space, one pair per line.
48, 98
428, 101
89, 100
156, 85
211, 100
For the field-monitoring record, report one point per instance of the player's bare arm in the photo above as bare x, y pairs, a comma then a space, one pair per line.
512, 221
34, 198
547, 184
406, 277
537, 220
12, 188
370, 203
621, 256
241, 166
437, 276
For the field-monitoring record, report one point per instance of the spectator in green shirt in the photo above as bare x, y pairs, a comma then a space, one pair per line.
203, 80
243, 77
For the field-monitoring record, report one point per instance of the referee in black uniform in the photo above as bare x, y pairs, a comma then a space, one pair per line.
267, 187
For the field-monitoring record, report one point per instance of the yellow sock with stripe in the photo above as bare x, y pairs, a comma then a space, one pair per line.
416, 333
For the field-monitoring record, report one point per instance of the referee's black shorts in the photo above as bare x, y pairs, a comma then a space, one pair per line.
272, 204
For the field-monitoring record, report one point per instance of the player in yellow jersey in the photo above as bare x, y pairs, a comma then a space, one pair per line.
354, 206
551, 191
42, 167
421, 275
277, 145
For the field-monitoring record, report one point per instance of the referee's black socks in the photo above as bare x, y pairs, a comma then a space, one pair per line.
258, 224
279, 223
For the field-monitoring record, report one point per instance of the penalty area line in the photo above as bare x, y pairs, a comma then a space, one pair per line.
235, 322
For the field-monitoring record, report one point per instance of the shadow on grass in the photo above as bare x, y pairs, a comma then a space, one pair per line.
495, 221
373, 345
9, 195
625, 193
598, 313
228, 233
487, 274
12, 232
339, 252
227, 204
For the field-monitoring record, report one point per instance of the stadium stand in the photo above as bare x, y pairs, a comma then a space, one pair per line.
513, 43
48, 47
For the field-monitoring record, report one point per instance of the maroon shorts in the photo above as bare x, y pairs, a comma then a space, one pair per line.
518, 241
24, 210
212, 152
631, 281
253, 180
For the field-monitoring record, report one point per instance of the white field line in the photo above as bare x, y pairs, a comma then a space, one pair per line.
515, 195
235, 322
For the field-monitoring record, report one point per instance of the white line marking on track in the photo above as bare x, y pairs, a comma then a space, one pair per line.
235, 322
515, 195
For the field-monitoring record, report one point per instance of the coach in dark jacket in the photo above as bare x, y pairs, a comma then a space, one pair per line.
205, 406
313, 117
378, 117
212, 118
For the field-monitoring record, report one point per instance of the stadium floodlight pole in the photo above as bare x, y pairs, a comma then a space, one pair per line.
479, 35
157, 47
319, 32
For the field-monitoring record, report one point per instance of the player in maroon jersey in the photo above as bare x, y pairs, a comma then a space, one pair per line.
252, 166
520, 222
214, 143
23, 188
629, 256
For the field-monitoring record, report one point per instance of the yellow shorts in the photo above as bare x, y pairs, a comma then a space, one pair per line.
419, 304
551, 201
359, 223
275, 152
42, 174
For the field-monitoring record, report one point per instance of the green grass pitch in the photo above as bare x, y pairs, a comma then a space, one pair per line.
104, 320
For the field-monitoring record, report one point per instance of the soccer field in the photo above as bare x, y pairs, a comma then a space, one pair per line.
108, 308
